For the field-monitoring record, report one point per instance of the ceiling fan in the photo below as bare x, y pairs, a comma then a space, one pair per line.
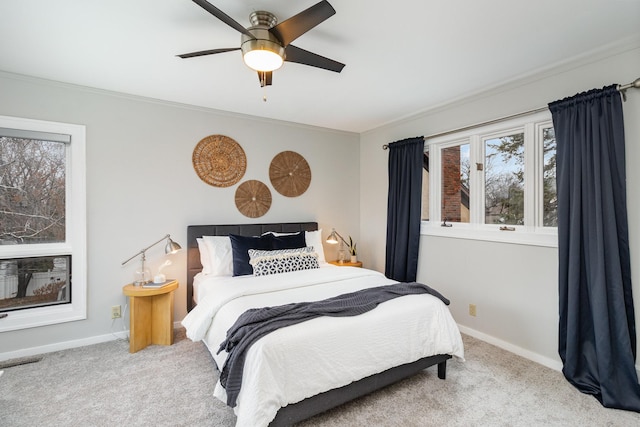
266, 44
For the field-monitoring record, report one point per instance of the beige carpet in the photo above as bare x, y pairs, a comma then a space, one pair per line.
104, 385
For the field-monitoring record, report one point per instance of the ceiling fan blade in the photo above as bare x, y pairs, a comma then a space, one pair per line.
265, 77
301, 56
207, 52
223, 17
289, 30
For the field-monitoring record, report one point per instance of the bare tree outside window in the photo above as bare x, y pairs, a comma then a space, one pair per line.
32, 191
32, 211
504, 180
550, 195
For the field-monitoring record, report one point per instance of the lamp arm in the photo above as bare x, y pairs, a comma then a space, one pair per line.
142, 252
342, 238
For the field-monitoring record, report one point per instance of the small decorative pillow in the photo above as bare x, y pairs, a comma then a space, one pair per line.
282, 260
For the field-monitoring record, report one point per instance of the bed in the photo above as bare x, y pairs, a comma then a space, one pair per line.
319, 349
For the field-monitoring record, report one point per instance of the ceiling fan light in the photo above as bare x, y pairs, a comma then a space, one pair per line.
263, 60
263, 53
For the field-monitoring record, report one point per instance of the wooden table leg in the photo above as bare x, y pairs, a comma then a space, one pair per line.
162, 319
140, 323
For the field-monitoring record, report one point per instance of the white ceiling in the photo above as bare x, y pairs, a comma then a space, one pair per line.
401, 57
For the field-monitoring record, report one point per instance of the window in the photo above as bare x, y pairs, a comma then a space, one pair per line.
504, 179
42, 223
494, 182
550, 196
454, 203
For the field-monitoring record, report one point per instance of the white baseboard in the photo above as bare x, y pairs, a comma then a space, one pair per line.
64, 345
554, 364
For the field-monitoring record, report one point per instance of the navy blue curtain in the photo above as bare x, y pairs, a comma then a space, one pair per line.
404, 206
597, 336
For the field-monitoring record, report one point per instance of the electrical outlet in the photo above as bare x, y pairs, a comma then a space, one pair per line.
116, 312
472, 310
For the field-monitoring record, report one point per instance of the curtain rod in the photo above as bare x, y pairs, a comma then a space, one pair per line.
634, 84
621, 88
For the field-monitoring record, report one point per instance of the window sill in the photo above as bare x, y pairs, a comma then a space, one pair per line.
464, 231
42, 316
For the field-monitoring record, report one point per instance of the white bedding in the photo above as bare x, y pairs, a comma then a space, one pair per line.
302, 360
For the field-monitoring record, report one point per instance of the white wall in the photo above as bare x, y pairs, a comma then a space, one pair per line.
141, 185
132, 143
513, 286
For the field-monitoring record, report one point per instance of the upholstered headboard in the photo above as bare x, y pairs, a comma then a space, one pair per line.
194, 231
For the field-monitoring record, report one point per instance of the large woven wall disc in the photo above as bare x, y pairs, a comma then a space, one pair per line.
290, 174
253, 198
219, 161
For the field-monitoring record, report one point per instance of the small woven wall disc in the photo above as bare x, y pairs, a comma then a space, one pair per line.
219, 161
253, 198
290, 174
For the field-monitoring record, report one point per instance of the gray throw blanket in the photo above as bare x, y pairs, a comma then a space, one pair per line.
255, 323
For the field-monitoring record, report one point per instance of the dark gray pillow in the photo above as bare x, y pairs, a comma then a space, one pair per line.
240, 246
290, 241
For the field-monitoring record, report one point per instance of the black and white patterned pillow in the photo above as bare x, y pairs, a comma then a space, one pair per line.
282, 260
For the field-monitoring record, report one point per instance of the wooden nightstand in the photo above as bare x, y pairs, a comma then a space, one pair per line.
151, 315
347, 263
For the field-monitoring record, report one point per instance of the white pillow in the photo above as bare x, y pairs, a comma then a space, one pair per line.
314, 239
204, 256
220, 255
311, 238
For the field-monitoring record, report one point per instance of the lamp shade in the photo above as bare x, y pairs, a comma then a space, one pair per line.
171, 247
333, 238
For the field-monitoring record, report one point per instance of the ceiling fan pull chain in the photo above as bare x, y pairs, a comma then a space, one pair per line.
264, 85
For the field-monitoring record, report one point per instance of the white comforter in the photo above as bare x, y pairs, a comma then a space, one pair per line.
302, 360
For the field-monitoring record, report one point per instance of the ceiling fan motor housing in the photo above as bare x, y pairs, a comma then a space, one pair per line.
262, 18
264, 40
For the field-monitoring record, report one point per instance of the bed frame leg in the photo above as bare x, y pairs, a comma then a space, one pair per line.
442, 370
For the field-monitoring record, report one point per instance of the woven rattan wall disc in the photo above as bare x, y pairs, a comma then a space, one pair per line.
253, 198
290, 174
219, 161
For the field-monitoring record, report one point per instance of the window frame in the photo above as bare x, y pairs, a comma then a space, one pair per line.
483, 138
438, 158
75, 242
532, 232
